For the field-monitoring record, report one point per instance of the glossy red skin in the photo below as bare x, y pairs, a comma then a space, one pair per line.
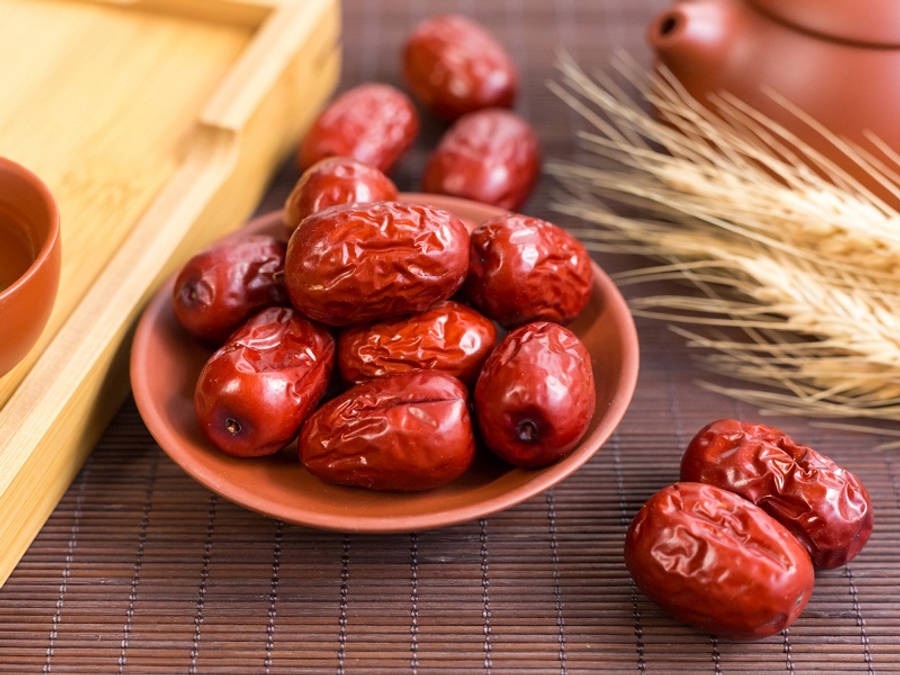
454, 66
267, 378
491, 156
406, 432
717, 562
372, 123
356, 264
451, 338
218, 289
825, 506
524, 269
535, 396
333, 181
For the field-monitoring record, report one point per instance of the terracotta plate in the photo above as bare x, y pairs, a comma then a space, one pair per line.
165, 363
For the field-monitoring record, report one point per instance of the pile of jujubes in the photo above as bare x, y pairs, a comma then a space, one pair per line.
400, 296
409, 304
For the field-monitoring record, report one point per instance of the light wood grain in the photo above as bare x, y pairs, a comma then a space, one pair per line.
99, 101
162, 170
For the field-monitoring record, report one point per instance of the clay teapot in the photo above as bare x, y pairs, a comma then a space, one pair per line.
837, 60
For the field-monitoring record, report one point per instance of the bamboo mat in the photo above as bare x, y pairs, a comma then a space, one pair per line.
141, 570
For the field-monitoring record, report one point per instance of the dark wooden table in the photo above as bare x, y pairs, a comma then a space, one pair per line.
142, 570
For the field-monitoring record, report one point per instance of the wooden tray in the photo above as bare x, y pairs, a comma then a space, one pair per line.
156, 124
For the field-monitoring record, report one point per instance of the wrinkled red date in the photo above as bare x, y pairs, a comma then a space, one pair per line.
525, 269
825, 506
218, 289
405, 432
718, 562
372, 123
254, 393
451, 338
333, 181
454, 66
491, 156
355, 264
535, 396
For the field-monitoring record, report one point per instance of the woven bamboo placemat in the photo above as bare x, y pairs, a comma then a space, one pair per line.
142, 570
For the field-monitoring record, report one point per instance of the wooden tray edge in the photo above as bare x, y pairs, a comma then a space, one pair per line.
64, 403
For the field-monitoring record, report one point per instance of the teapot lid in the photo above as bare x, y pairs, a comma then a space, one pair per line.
872, 22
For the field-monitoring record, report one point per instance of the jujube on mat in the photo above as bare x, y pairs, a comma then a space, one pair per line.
451, 338
256, 390
718, 562
218, 289
405, 432
825, 506
535, 395
524, 269
491, 156
355, 264
333, 181
372, 123
454, 66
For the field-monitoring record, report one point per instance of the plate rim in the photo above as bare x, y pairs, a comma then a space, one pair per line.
543, 479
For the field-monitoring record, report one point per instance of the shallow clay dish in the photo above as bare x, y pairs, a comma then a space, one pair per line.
165, 363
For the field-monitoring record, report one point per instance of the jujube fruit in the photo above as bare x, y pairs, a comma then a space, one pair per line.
535, 397
718, 562
218, 289
451, 337
372, 123
257, 389
825, 506
361, 263
405, 432
333, 181
524, 269
491, 156
454, 66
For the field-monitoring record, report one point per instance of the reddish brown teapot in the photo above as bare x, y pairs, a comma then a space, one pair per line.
837, 60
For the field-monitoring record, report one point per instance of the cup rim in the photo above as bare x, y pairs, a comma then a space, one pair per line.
50, 242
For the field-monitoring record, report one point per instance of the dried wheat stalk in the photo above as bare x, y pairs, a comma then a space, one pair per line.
796, 266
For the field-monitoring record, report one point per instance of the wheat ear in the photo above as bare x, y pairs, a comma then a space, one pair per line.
795, 265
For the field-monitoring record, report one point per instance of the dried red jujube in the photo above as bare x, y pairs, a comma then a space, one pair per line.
356, 264
372, 123
525, 269
454, 66
491, 156
406, 432
718, 562
535, 396
825, 506
451, 337
255, 392
218, 289
333, 181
